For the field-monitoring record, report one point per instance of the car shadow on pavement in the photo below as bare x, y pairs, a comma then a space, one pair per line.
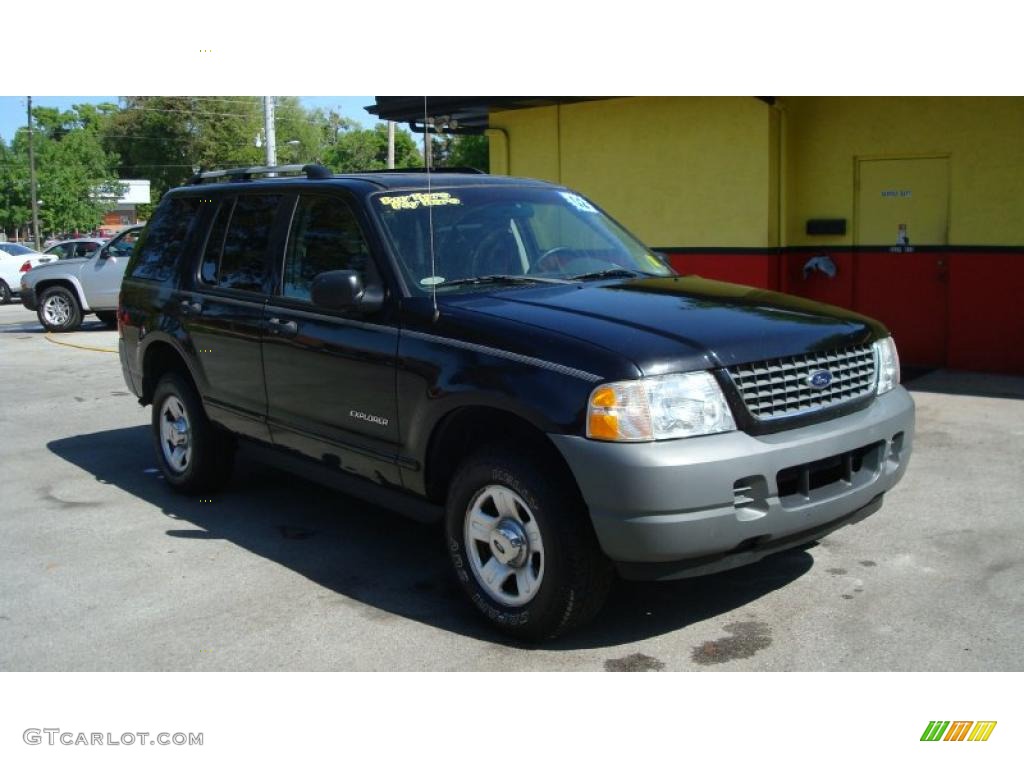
947, 382
89, 325
368, 554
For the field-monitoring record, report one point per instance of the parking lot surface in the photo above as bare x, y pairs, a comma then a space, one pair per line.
102, 567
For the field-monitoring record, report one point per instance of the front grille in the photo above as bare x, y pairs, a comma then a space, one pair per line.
773, 389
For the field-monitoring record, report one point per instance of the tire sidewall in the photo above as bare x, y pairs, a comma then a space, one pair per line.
5, 293
74, 317
491, 469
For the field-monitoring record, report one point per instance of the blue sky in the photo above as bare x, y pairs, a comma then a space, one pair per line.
12, 108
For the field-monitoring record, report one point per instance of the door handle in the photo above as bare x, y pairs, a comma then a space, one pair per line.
279, 327
191, 308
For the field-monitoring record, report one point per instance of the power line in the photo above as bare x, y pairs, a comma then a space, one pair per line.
195, 112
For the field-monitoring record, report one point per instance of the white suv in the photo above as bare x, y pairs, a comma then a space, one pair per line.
61, 292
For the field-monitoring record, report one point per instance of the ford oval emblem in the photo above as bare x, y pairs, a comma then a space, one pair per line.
819, 379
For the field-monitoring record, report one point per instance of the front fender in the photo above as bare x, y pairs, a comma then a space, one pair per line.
44, 280
435, 378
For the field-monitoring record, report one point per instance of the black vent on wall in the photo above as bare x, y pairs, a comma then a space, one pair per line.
826, 226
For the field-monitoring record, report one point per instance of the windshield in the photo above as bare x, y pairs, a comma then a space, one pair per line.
510, 233
123, 244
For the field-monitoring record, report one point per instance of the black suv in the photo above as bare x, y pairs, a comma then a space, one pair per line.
500, 354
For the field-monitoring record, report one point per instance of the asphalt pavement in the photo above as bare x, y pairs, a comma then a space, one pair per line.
102, 567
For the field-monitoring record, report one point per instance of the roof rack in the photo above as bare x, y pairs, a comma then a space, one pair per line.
312, 171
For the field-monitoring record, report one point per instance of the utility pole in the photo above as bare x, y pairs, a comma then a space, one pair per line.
428, 145
268, 130
32, 179
391, 143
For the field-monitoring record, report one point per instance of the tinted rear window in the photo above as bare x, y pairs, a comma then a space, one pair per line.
157, 255
243, 259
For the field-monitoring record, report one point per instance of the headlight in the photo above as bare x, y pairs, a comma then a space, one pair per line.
658, 408
887, 363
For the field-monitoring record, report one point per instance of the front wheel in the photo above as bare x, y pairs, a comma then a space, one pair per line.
59, 310
523, 547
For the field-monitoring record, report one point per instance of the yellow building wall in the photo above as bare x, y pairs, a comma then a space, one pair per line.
983, 137
677, 171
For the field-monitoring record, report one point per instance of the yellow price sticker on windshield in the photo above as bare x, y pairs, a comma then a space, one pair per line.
415, 200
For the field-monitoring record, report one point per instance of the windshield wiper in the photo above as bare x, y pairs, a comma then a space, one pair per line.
508, 279
614, 272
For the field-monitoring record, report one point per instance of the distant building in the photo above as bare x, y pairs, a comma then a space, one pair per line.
125, 212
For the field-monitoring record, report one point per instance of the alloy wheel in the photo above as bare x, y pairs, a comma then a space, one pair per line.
175, 434
504, 544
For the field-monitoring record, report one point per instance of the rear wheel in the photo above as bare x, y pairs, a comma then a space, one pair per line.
59, 310
5, 293
523, 547
109, 319
195, 455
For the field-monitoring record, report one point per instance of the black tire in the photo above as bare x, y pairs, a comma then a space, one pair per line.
5, 293
109, 319
577, 575
67, 300
212, 454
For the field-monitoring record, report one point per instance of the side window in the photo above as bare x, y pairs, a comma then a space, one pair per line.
123, 244
324, 236
215, 243
85, 249
157, 255
243, 260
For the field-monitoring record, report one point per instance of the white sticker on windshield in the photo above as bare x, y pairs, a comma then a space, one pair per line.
434, 280
578, 202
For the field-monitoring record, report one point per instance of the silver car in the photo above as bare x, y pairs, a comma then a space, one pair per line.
64, 291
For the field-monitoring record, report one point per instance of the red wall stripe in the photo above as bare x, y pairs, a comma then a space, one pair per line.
961, 309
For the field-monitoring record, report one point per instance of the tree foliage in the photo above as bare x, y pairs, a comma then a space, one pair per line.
166, 139
76, 177
366, 149
461, 151
81, 153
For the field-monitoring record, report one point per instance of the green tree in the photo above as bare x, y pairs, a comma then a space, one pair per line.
167, 138
459, 150
366, 149
301, 134
15, 211
76, 177
470, 151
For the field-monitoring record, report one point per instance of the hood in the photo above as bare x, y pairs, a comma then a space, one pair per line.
60, 264
674, 324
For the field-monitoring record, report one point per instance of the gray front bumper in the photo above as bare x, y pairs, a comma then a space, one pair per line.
681, 504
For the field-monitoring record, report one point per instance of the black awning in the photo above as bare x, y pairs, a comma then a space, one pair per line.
458, 114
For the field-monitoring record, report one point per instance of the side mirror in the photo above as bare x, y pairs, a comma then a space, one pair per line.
343, 289
105, 252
